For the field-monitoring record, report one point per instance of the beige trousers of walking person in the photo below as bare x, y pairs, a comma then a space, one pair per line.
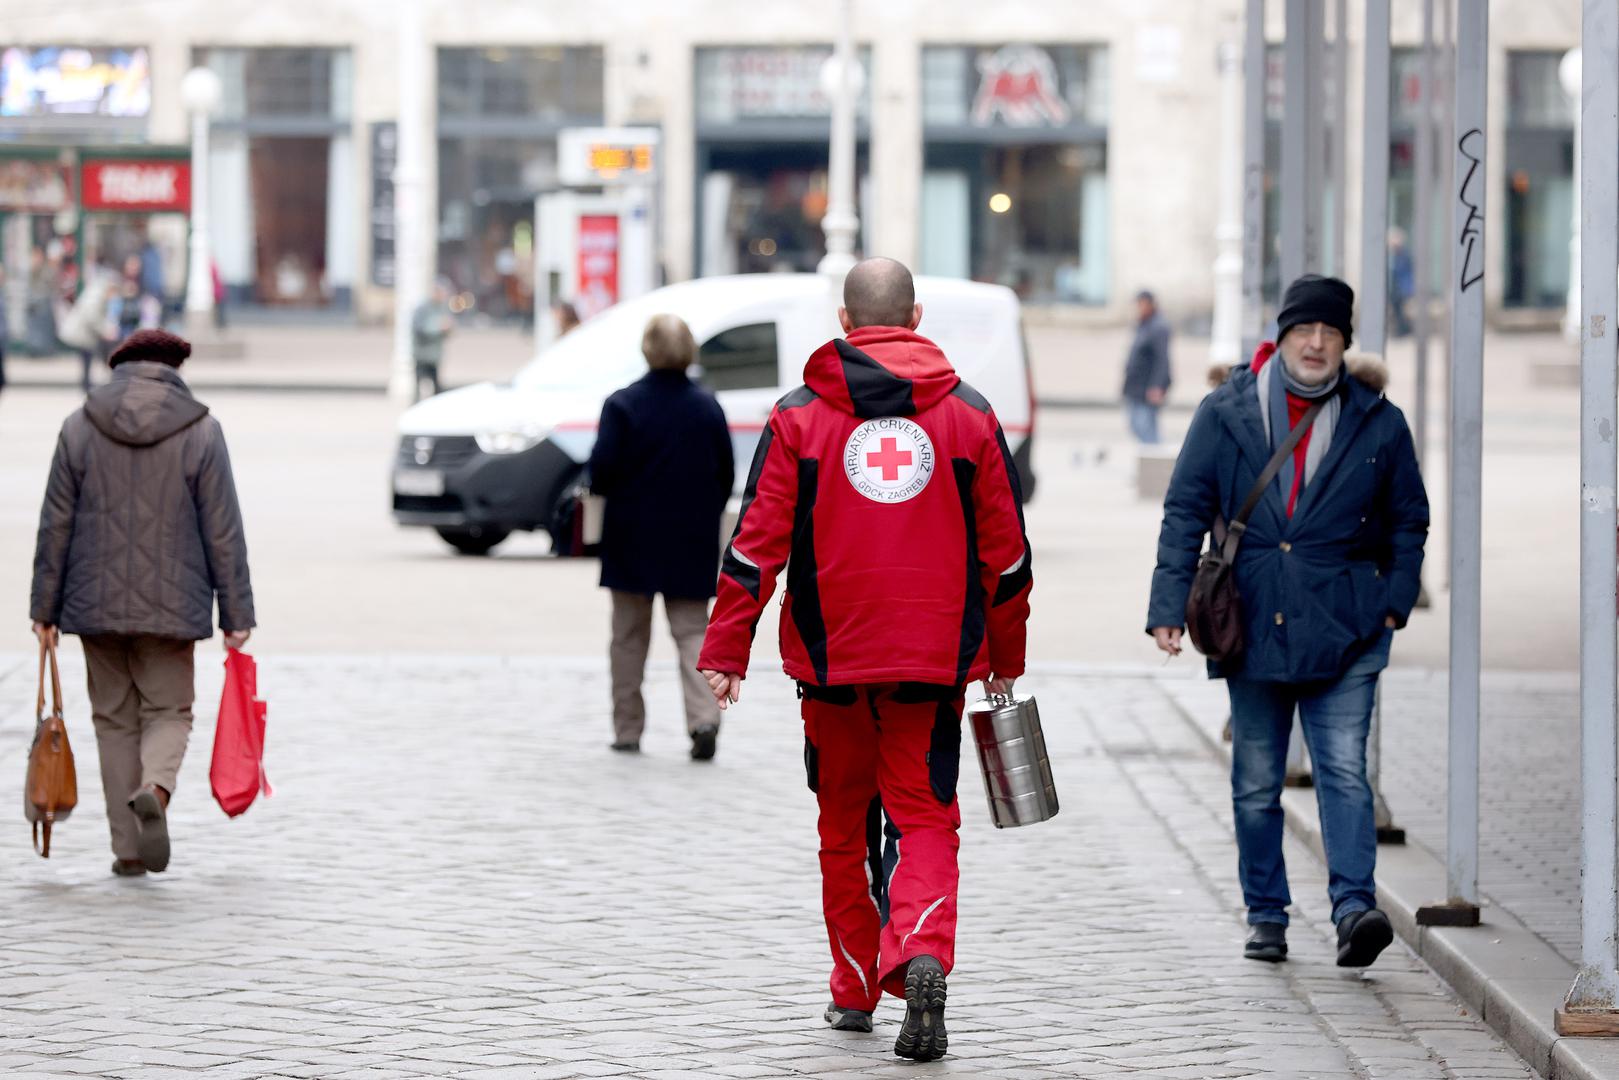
632, 637
141, 692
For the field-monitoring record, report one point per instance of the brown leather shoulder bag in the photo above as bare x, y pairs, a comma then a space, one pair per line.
52, 788
1214, 608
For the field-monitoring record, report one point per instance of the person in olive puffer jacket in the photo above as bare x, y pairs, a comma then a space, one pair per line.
139, 532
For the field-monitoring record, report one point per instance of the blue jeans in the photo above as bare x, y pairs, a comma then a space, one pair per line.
1336, 717
1143, 420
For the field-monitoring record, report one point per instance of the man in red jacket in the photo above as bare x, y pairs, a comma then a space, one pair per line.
885, 488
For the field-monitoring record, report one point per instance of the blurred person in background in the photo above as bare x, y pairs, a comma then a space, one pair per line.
1146, 370
429, 326
132, 307
86, 328
564, 316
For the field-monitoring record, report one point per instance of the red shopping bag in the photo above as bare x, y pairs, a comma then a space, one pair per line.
237, 772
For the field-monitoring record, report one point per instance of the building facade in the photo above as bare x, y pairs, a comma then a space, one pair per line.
1067, 150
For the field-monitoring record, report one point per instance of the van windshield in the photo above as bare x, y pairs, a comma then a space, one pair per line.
601, 352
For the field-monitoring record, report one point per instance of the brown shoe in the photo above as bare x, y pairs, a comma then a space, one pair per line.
129, 868
149, 804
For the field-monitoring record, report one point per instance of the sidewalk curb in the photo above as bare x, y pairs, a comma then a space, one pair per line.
1501, 970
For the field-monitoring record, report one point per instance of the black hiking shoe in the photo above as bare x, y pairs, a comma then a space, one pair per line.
843, 1019
922, 1037
704, 741
1362, 936
1267, 941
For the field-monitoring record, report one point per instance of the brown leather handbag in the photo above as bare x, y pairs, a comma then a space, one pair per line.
52, 788
1214, 608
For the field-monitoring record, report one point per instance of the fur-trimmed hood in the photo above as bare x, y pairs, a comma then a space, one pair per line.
1369, 369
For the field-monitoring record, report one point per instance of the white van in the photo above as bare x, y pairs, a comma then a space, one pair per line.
479, 463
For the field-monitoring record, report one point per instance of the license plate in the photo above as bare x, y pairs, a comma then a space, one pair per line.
424, 482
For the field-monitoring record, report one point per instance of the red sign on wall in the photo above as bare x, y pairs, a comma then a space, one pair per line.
598, 264
137, 184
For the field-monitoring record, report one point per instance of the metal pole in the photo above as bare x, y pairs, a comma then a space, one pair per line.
410, 180
1466, 464
841, 222
1225, 338
1296, 129
1421, 240
1373, 328
1315, 119
1374, 188
1596, 985
1339, 143
1253, 178
199, 274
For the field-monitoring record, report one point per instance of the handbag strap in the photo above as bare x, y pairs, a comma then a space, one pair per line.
1239, 524
47, 652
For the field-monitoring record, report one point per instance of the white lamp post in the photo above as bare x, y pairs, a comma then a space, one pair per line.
201, 91
841, 79
1568, 73
1225, 341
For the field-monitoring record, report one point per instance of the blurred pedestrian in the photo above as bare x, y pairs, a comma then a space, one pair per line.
139, 532
663, 462
1402, 282
220, 296
151, 273
1328, 568
429, 326
86, 328
5, 327
1146, 370
885, 488
565, 316
132, 306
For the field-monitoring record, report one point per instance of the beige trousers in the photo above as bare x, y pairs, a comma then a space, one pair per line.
632, 637
141, 691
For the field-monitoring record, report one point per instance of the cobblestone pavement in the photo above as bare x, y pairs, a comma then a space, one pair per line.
1529, 785
456, 878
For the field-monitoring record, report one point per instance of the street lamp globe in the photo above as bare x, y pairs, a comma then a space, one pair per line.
201, 91
1568, 73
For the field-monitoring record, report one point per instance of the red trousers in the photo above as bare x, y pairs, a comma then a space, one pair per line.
893, 751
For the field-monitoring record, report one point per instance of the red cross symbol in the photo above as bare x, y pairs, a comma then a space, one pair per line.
889, 459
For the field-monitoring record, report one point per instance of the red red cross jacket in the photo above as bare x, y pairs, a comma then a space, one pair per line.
885, 487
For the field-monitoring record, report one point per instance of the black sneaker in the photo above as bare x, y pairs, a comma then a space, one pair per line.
922, 1037
843, 1019
627, 747
704, 741
1267, 941
1362, 935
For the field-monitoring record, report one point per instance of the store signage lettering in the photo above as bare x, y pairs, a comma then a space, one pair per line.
1018, 86
137, 185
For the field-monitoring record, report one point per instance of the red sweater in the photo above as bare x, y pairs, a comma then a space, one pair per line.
1296, 408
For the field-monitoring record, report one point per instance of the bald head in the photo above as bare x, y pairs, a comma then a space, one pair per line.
879, 292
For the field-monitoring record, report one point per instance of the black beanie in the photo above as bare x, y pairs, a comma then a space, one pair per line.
1316, 299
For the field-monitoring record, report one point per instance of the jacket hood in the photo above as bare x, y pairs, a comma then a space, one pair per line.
881, 371
145, 403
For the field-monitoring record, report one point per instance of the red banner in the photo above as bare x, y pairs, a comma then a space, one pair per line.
137, 184
598, 264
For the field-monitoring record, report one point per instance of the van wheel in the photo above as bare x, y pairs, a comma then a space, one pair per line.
473, 539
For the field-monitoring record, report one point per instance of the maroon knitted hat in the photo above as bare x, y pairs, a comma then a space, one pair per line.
157, 345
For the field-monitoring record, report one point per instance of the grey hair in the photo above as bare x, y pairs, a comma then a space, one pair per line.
667, 343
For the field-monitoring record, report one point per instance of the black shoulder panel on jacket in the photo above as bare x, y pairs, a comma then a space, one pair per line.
797, 398
970, 396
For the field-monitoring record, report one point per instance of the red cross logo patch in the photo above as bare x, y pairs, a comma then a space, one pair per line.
889, 460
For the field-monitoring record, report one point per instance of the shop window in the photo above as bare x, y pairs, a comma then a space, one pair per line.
741, 358
543, 84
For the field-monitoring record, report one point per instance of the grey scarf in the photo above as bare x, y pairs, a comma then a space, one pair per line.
1272, 386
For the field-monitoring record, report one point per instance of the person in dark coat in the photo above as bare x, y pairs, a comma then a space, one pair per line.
1329, 568
139, 532
664, 463
1146, 370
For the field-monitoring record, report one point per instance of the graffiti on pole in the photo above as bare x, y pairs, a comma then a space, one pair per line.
1472, 234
